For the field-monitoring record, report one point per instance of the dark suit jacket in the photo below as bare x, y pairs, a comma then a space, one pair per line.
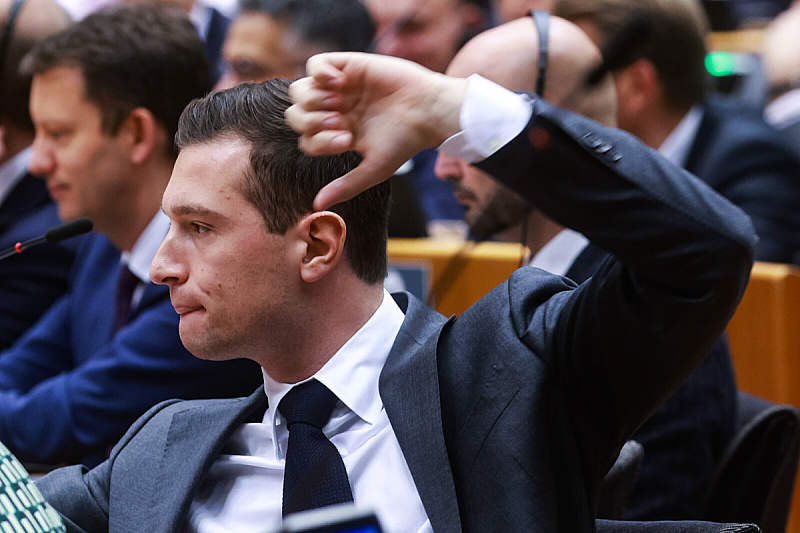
684, 438
29, 282
70, 387
750, 164
214, 39
509, 415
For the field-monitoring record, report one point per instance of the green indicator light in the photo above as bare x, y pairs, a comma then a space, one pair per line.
720, 63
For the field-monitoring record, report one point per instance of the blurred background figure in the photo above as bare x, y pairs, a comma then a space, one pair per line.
663, 98
29, 282
106, 95
274, 38
780, 55
428, 32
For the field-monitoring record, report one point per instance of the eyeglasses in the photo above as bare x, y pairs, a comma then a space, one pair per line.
542, 20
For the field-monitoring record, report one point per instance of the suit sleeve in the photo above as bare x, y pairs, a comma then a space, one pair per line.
621, 343
80, 495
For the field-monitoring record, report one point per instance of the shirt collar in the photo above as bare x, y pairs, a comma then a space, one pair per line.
676, 146
560, 252
200, 16
146, 247
353, 372
13, 171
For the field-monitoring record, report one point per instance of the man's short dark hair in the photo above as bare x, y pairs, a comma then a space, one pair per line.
675, 43
334, 25
135, 55
282, 181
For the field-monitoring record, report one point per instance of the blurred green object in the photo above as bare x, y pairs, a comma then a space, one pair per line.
721, 63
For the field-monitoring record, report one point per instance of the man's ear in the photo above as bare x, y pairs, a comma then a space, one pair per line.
638, 85
141, 131
324, 233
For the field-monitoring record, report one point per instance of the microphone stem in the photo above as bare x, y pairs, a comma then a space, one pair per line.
20, 247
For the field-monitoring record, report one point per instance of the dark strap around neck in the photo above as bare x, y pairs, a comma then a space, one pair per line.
542, 20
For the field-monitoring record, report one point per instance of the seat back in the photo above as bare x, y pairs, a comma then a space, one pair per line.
755, 475
612, 526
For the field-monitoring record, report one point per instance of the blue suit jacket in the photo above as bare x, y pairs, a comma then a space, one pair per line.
750, 164
70, 388
509, 415
684, 438
29, 282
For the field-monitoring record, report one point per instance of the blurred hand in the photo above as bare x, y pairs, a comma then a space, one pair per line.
385, 108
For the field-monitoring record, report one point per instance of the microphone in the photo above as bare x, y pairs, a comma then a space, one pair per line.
56, 234
620, 49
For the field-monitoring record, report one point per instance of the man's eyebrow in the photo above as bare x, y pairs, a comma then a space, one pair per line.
183, 210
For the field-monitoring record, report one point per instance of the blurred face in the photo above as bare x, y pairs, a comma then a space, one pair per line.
230, 281
427, 32
87, 170
490, 207
257, 48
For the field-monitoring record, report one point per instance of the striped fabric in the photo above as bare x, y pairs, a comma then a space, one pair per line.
22, 508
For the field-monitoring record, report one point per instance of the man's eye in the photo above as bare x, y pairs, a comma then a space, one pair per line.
199, 229
245, 69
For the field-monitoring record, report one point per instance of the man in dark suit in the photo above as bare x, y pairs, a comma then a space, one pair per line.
505, 418
684, 439
105, 100
29, 282
663, 99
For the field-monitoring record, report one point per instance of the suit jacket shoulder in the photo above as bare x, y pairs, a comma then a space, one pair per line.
747, 161
32, 281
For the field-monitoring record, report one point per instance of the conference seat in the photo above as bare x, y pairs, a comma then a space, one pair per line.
755, 477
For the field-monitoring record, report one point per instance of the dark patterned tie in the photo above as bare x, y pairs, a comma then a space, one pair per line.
125, 286
315, 475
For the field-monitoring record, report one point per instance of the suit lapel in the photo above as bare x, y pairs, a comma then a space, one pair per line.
410, 392
194, 441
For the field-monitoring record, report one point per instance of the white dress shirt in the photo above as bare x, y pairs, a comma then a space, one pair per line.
677, 145
12, 172
783, 110
560, 252
243, 489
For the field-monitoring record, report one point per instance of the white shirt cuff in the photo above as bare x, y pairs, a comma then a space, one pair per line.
491, 116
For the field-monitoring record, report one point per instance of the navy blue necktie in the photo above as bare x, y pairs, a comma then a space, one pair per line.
125, 286
315, 475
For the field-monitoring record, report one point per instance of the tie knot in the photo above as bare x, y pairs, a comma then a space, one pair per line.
309, 403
